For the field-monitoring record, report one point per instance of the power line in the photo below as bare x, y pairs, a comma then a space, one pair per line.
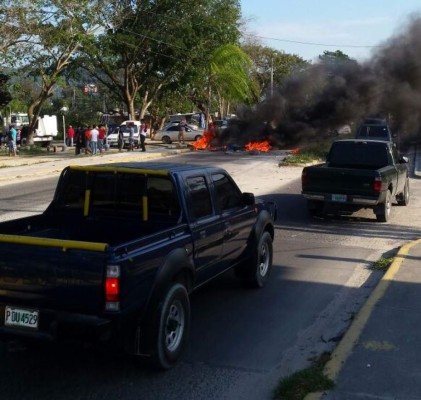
310, 43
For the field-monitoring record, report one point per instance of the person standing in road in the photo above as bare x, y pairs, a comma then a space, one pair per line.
88, 140
131, 136
142, 136
182, 126
12, 137
94, 140
120, 138
101, 138
70, 136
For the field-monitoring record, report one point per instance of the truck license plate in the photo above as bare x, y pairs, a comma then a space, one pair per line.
21, 318
339, 197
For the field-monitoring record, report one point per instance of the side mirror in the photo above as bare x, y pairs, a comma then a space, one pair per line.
404, 160
248, 199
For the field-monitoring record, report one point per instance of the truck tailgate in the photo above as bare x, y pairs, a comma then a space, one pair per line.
51, 276
323, 179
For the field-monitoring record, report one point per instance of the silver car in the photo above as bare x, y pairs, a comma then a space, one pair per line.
169, 134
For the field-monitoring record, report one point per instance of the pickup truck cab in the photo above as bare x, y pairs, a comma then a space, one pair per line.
357, 174
120, 248
376, 129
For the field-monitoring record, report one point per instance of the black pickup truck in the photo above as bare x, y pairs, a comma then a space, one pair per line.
357, 174
116, 254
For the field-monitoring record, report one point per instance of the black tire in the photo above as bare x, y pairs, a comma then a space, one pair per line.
197, 137
315, 208
384, 209
258, 268
403, 198
172, 327
166, 139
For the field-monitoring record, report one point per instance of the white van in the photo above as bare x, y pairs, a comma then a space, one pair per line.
112, 138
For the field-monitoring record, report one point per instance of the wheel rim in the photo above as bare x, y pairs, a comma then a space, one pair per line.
174, 326
264, 259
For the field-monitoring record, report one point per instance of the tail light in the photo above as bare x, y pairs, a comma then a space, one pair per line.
112, 288
377, 184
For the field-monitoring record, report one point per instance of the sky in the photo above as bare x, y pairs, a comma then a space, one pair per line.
309, 27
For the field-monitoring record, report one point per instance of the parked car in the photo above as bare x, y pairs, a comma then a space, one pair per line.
169, 134
112, 138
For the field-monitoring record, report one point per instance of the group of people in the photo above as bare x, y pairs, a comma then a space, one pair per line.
90, 140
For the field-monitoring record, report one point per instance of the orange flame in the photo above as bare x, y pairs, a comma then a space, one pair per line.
261, 146
204, 142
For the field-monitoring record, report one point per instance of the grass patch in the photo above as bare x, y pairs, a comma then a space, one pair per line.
308, 154
382, 264
308, 380
32, 150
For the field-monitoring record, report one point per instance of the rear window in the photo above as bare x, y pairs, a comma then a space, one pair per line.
358, 154
117, 194
373, 131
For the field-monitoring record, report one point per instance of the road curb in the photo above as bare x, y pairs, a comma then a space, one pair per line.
350, 339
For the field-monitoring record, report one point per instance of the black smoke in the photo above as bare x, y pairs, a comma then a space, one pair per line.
323, 96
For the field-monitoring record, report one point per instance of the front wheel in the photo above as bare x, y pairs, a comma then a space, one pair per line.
197, 137
384, 209
259, 266
173, 325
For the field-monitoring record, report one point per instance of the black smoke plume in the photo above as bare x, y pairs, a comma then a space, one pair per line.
322, 97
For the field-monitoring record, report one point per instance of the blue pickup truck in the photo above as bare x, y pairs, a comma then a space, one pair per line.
116, 254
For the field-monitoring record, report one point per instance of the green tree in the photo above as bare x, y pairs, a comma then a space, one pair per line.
271, 67
54, 32
155, 47
229, 77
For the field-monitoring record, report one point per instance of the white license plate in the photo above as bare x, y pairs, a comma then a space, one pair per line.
339, 197
22, 318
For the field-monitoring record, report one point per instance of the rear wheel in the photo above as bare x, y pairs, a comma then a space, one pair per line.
403, 198
166, 139
172, 327
198, 137
384, 209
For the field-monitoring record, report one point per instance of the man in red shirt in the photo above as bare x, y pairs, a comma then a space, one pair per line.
70, 136
101, 138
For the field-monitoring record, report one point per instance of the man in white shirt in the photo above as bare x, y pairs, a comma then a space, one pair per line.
94, 140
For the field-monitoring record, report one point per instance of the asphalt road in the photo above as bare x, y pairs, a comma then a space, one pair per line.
242, 341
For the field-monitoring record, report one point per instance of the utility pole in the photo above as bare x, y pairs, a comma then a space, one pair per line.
271, 78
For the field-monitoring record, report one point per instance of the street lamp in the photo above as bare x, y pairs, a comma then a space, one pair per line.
63, 111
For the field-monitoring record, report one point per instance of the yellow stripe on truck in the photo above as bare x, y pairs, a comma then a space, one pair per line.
125, 170
46, 242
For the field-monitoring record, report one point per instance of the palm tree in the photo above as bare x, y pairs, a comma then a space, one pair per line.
229, 75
